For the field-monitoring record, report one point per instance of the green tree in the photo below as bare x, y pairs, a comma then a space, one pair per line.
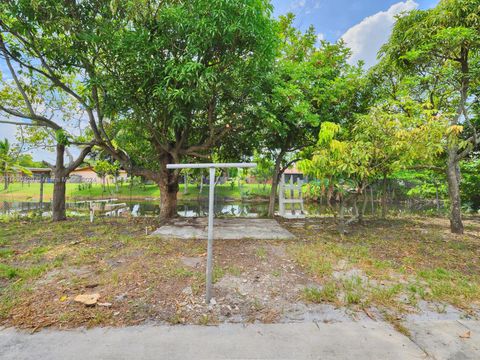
395, 140
26, 160
265, 167
160, 81
376, 145
309, 84
102, 168
471, 182
44, 115
9, 163
184, 81
437, 50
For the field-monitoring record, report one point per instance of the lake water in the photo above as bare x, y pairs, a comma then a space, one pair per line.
222, 208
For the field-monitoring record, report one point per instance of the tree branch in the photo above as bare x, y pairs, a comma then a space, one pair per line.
208, 144
45, 122
15, 78
50, 74
19, 123
73, 165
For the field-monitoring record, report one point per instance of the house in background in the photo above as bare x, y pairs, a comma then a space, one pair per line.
37, 173
80, 175
293, 172
87, 174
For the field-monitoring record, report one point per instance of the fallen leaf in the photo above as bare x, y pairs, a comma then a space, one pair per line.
466, 335
64, 298
87, 299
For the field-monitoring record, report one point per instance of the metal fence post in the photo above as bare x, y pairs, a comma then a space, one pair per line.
41, 191
211, 211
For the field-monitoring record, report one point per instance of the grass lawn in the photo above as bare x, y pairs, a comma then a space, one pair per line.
382, 269
31, 192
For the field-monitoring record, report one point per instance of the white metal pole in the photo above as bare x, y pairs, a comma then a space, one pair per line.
211, 195
211, 209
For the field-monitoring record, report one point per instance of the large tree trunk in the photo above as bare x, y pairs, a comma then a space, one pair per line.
453, 168
168, 200
58, 203
453, 178
59, 186
168, 184
5, 177
61, 173
275, 180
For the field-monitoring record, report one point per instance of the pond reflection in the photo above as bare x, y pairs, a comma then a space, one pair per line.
222, 208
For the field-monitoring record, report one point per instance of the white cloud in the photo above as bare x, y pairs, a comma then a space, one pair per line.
366, 37
305, 5
320, 37
298, 4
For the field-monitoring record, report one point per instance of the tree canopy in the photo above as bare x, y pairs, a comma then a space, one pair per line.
167, 81
435, 55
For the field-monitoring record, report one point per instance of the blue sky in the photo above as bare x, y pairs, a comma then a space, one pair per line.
334, 17
363, 24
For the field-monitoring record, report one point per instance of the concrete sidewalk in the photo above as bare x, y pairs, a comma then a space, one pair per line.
447, 339
346, 340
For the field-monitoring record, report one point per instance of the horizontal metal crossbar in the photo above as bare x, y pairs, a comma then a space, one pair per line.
211, 165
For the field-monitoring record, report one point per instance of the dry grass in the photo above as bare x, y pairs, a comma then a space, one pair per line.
389, 265
45, 265
393, 263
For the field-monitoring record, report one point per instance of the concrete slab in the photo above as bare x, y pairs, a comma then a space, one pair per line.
447, 339
352, 340
472, 325
226, 229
